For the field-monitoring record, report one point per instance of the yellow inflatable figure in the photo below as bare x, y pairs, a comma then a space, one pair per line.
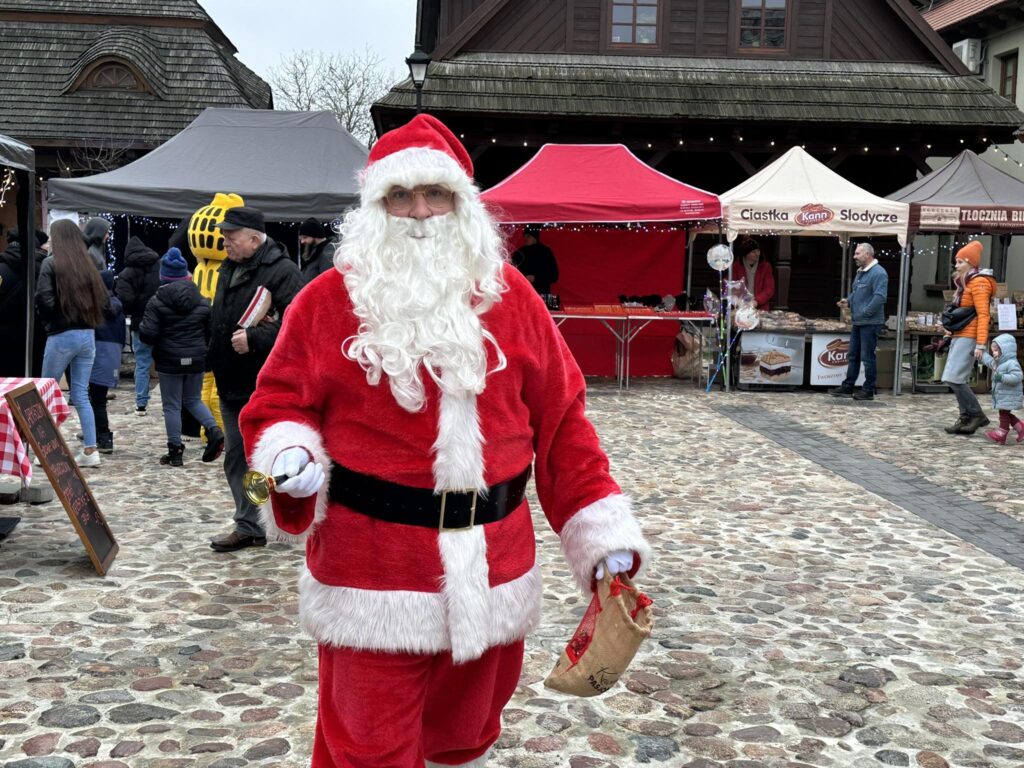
207, 246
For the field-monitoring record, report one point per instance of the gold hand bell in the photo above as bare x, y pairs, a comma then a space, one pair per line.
257, 486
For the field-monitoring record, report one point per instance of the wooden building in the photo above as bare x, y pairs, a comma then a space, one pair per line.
93, 84
708, 91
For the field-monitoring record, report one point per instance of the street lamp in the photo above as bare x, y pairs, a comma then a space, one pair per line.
418, 63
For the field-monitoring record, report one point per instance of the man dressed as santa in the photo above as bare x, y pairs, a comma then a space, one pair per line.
409, 393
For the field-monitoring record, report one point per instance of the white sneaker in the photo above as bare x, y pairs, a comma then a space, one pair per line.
84, 459
140, 410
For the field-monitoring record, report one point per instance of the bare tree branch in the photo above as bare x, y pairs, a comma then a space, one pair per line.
96, 158
345, 84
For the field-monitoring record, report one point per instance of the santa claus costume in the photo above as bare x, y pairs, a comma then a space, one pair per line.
426, 376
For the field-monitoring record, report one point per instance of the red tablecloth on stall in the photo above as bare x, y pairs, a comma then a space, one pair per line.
13, 452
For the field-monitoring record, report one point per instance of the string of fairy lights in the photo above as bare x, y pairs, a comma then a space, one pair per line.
6, 185
770, 144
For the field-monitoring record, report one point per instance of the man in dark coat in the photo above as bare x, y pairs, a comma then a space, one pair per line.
317, 251
536, 261
236, 354
135, 286
13, 286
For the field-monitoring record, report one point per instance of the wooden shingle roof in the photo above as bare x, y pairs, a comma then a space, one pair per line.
705, 89
180, 9
184, 68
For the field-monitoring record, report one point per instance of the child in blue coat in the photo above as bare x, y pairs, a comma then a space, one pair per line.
1007, 388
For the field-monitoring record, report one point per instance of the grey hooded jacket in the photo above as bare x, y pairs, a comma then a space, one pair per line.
1007, 377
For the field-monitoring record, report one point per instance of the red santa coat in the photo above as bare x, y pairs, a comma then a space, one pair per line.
382, 586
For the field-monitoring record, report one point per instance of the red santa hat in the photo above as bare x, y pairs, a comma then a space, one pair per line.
423, 151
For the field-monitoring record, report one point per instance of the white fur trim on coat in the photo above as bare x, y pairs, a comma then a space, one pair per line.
273, 440
480, 762
466, 591
414, 167
458, 450
598, 529
403, 621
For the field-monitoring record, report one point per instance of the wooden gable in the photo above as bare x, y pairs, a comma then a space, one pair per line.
827, 30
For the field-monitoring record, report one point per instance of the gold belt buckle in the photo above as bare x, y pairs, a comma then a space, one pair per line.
472, 511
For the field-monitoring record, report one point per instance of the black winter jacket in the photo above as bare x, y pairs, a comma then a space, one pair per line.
139, 279
236, 285
319, 260
177, 325
48, 304
13, 290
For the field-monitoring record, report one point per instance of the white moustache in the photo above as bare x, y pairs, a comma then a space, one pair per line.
419, 229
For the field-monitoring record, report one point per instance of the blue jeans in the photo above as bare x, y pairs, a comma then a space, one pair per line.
76, 348
863, 342
143, 362
178, 390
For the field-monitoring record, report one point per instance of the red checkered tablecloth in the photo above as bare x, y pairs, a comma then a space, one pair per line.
13, 454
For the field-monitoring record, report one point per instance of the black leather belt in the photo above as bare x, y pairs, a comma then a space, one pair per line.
448, 511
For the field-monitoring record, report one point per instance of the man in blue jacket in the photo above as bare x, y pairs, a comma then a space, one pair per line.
867, 310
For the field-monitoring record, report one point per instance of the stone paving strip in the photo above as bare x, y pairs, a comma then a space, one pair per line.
973, 522
801, 619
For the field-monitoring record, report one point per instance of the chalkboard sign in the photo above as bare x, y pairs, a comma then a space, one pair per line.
38, 428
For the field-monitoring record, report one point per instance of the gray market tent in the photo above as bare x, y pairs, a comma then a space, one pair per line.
14, 154
965, 195
290, 165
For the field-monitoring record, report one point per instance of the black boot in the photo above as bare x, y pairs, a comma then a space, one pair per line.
173, 457
954, 428
214, 443
972, 423
105, 442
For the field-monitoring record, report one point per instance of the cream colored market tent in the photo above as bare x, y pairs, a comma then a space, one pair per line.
798, 195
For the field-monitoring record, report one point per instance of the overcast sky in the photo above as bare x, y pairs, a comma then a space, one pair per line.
264, 30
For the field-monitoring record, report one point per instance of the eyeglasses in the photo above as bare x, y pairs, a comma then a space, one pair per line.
402, 200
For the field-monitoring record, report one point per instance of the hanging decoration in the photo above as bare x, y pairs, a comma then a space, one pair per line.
6, 185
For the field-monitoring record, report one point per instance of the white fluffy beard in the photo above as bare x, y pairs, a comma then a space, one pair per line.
419, 288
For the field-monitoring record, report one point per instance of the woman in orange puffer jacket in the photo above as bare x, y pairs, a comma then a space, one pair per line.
974, 288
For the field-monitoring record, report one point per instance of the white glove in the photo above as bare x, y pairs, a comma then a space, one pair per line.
619, 561
304, 476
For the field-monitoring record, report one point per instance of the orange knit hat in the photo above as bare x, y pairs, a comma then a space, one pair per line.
971, 253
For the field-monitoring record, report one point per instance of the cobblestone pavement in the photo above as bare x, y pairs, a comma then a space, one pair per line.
802, 619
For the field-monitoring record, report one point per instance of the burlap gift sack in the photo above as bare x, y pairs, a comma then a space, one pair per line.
686, 356
617, 621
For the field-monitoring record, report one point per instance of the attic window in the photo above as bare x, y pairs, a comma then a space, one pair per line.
763, 24
112, 77
634, 22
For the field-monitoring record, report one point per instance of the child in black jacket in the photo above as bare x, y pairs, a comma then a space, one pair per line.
177, 323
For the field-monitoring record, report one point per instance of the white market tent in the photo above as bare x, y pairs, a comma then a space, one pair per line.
799, 195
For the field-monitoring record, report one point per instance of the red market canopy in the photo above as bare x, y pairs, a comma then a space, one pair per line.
965, 195
598, 184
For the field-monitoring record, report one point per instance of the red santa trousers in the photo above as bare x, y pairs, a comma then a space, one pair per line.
393, 710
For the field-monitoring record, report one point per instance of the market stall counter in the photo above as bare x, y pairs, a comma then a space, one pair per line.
788, 350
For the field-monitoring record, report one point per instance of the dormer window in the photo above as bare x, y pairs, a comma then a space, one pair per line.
763, 25
112, 77
634, 23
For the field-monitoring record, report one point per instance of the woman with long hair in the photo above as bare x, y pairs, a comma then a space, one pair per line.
71, 300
